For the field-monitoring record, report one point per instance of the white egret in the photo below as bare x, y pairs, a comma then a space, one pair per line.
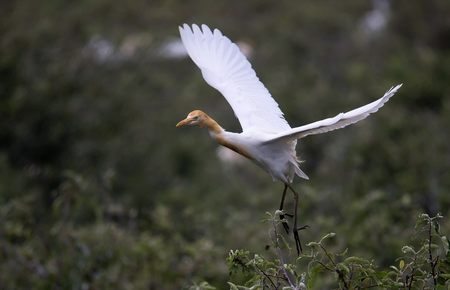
266, 138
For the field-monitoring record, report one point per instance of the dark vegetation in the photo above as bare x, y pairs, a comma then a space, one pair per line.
98, 190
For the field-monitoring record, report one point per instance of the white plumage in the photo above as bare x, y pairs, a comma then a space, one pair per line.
266, 138
339, 121
226, 69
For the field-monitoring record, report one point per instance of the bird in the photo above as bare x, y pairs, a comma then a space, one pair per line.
266, 138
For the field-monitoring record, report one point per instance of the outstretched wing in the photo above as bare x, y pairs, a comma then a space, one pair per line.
337, 122
226, 69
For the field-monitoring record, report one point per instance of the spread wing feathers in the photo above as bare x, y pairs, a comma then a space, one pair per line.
226, 69
337, 122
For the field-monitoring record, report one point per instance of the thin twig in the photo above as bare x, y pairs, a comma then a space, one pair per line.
413, 269
328, 255
339, 272
370, 286
264, 273
342, 278
325, 266
280, 256
276, 276
432, 263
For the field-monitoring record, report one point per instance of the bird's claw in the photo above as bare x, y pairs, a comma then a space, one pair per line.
285, 224
298, 244
286, 227
303, 228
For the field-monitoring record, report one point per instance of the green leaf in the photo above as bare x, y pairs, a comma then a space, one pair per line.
445, 244
356, 260
327, 236
394, 268
202, 286
232, 286
343, 268
343, 253
437, 227
314, 274
312, 244
408, 249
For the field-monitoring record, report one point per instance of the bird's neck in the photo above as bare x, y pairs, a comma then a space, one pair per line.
212, 126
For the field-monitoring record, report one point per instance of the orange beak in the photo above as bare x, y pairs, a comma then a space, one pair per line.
183, 122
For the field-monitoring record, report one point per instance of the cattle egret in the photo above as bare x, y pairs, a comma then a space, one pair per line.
266, 138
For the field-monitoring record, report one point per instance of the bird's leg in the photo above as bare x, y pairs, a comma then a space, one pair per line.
295, 230
285, 224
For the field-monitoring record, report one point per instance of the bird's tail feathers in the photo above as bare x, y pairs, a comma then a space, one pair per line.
295, 164
300, 173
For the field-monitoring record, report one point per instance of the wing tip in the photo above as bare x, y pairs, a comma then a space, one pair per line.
184, 29
384, 99
181, 28
206, 29
202, 28
217, 33
196, 30
394, 89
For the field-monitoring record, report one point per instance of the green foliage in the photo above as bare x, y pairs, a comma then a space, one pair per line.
423, 267
322, 268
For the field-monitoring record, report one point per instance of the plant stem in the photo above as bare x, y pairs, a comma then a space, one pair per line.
264, 273
432, 263
280, 256
339, 272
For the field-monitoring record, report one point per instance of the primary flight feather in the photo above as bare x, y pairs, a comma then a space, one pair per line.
266, 138
226, 69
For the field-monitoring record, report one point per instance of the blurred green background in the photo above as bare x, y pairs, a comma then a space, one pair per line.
98, 190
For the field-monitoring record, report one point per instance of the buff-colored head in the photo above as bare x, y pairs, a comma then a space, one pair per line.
201, 119
195, 117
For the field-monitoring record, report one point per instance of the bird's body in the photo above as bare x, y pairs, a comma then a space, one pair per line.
278, 159
266, 138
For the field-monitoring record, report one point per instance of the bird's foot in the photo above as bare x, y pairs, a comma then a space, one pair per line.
303, 228
298, 243
284, 222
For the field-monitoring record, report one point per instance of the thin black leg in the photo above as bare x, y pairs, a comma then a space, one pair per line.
295, 230
285, 224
